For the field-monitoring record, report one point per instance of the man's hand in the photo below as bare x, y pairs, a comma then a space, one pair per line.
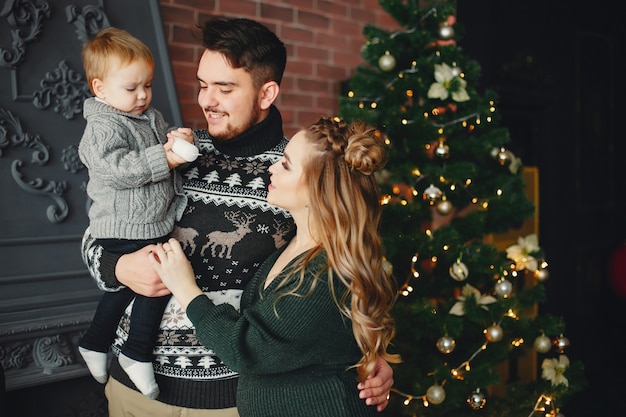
375, 390
134, 270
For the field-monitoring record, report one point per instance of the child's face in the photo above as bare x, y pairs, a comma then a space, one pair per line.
127, 87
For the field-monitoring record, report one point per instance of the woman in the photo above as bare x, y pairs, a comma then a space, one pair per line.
316, 315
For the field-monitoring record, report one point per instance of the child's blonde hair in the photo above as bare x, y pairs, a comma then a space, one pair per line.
112, 46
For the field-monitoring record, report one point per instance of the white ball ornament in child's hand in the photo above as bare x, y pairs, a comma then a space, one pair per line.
188, 151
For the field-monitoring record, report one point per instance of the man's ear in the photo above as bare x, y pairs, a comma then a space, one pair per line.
97, 86
268, 94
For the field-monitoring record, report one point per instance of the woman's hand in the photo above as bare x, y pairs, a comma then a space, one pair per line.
134, 270
172, 265
375, 390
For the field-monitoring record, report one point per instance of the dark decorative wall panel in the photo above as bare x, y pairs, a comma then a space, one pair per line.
46, 296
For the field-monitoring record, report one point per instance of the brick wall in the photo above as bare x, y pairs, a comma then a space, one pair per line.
323, 40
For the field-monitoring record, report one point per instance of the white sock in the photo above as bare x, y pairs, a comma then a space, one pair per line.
142, 375
96, 362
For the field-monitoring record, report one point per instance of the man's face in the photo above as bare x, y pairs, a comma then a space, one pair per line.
227, 97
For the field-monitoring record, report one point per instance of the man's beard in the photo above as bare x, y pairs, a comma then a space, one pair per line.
231, 132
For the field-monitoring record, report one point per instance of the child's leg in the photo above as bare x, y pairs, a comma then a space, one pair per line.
137, 353
97, 339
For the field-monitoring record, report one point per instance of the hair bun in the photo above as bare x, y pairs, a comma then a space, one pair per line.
364, 152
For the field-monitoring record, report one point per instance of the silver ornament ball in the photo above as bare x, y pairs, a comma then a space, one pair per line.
459, 271
504, 288
542, 344
477, 400
435, 394
432, 193
494, 333
442, 151
446, 32
446, 344
561, 344
387, 62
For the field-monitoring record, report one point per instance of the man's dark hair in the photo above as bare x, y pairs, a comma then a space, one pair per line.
247, 44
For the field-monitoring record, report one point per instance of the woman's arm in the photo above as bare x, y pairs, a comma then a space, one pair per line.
239, 338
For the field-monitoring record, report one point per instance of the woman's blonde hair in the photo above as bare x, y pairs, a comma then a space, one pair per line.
110, 47
345, 215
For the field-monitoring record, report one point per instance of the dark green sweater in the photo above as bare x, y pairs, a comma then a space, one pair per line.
293, 365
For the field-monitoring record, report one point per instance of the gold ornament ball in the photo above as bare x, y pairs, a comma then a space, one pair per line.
542, 274
435, 394
446, 344
387, 62
444, 207
542, 344
494, 333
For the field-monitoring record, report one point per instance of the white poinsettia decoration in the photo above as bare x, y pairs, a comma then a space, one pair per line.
521, 253
515, 164
553, 370
448, 84
458, 309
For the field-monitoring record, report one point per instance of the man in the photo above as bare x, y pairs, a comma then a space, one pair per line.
227, 230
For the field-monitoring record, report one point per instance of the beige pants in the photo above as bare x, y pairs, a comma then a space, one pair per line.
126, 402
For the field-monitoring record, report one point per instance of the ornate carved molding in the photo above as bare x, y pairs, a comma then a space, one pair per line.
47, 357
12, 134
25, 19
66, 88
88, 21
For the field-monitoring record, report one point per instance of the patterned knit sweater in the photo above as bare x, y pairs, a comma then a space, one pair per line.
227, 231
292, 352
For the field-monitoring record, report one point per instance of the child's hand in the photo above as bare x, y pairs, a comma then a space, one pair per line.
182, 132
173, 159
180, 142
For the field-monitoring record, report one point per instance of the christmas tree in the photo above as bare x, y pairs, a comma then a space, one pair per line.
466, 316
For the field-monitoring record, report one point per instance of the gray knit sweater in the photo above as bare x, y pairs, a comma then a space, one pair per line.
134, 193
